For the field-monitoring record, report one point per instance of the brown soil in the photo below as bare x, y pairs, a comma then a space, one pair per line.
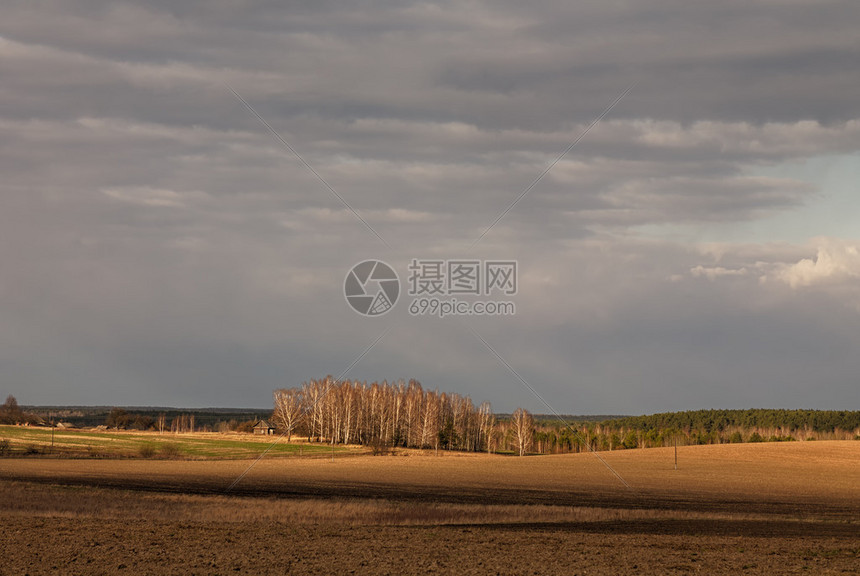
749, 509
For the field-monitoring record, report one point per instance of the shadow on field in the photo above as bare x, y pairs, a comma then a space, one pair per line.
786, 512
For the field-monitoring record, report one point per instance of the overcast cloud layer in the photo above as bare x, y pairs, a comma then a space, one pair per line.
158, 246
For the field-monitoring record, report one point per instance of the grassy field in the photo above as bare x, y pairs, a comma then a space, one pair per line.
91, 443
728, 509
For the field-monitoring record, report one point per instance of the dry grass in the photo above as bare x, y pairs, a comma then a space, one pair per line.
799, 480
802, 473
134, 444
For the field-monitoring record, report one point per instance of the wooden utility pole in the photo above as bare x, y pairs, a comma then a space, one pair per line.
676, 452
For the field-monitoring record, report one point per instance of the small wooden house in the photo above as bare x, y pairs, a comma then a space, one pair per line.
263, 428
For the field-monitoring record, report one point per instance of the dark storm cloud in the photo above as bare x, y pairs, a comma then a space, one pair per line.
159, 246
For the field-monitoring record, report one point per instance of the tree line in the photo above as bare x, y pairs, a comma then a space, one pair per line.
697, 427
177, 423
404, 414
398, 414
720, 420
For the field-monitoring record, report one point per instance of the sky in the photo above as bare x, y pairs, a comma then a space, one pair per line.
185, 187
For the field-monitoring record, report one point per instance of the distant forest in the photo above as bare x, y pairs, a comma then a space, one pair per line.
134, 418
697, 427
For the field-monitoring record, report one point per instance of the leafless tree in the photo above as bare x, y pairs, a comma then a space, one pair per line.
382, 414
288, 409
523, 426
182, 423
486, 423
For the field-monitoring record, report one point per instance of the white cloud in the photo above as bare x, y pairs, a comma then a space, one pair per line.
716, 272
779, 273
309, 217
836, 261
773, 139
146, 196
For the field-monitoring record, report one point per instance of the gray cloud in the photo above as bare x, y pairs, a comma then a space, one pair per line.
159, 246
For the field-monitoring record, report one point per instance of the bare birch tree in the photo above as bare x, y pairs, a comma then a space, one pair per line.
523, 426
486, 423
288, 409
